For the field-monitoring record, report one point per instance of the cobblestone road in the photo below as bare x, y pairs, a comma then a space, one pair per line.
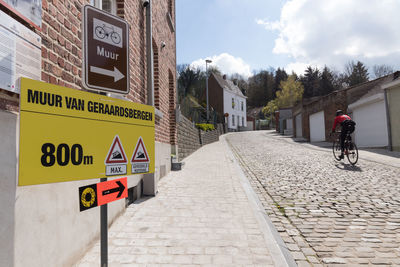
327, 212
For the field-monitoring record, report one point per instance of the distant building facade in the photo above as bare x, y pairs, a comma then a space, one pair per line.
226, 98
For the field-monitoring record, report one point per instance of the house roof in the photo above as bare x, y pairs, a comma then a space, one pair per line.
228, 85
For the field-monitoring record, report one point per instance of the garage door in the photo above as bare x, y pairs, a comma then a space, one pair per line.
317, 127
371, 128
299, 129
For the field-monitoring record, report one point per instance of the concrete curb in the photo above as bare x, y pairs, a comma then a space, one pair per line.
277, 248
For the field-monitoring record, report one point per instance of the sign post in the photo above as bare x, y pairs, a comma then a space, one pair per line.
105, 51
100, 194
103, 233
65, 135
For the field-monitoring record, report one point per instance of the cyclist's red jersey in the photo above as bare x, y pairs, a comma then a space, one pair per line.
340, 119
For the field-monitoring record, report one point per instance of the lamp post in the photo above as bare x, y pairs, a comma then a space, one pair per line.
208, 112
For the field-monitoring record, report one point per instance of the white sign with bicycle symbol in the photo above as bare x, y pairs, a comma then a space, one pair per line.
107, 33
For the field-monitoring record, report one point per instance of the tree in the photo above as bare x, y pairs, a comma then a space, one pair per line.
291, 92
260, 88
215, 70
356, 73
270, 108
339, 80
326, 81
382, 70
280, 75
311, 82
188, 77
241, 82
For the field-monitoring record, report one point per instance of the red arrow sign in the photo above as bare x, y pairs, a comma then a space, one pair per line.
110, 191
94, 195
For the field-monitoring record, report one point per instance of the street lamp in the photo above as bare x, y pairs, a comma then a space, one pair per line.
208, 112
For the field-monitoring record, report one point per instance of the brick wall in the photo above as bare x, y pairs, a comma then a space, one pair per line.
164, 32
215, 95
329, 104
334, 101
62, 54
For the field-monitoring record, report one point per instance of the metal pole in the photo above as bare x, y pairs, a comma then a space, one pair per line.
208, 112
103, 233
149, 51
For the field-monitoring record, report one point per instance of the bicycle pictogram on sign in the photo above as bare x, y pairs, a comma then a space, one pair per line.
107, 33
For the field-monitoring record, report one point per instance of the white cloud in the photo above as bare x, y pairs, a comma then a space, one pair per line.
333, 32
226, 63
297, 67
269, 25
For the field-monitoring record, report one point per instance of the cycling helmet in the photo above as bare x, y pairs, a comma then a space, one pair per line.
339, 112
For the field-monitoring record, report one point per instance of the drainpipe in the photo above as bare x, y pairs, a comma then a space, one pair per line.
149, 179
389, 126
149, 49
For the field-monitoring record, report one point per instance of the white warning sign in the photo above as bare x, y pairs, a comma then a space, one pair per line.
140, 159
116, 160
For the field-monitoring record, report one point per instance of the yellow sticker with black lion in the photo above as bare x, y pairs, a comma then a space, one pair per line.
87, 197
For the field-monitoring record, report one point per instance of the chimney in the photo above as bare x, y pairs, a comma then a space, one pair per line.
224, 76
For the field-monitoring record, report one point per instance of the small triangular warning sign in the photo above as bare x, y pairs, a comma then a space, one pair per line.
116, 154
140, 154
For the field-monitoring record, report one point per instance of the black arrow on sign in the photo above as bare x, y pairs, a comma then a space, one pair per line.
119, 189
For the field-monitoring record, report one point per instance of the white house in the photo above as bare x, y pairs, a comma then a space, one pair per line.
227, 98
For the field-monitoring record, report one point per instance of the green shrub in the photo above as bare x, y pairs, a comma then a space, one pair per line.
205, 126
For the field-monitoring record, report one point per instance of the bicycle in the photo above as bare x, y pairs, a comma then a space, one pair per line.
104, 31
350, 149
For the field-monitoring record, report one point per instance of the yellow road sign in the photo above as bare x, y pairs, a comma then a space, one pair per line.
67, 134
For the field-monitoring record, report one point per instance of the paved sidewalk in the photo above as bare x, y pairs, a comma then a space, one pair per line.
207, 214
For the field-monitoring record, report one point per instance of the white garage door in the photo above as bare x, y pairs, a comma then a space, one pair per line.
317, 127
289, 124
371, 125
299, 131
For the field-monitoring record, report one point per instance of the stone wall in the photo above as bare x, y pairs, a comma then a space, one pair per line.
221, 128
188, 138
208, 137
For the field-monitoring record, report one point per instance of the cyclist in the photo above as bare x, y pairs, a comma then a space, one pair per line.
347, 128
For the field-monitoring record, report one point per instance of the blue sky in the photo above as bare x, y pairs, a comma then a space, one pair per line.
248, 35
211, 27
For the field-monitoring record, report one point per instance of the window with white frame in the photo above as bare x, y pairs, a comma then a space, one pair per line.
233, 120
106, 5
241, 105
233, 103
243, 121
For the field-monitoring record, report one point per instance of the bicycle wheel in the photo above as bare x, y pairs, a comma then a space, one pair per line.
100, 33
336, 150
115, 38
352, 154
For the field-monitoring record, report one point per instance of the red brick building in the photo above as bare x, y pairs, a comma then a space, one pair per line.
58, 26
313, 118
